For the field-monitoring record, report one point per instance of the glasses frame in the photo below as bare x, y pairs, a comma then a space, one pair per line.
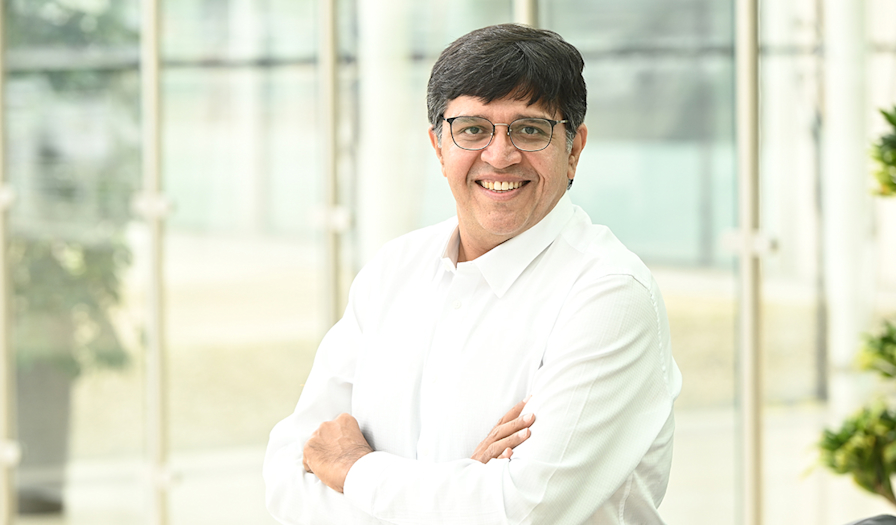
491, 137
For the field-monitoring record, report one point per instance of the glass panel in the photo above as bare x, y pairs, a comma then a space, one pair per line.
73, 161
799, 400
243, 260
433, 26
659, 170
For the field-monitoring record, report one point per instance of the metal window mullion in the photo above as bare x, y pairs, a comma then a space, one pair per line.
750, 380
526, 12
9, 449
328, 63
151, 205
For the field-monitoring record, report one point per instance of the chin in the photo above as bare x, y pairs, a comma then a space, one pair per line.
505, 230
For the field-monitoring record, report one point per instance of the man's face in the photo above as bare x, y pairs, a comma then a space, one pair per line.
488, 217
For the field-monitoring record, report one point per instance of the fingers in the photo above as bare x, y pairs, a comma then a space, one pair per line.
514, 412
500, 448
508, 429
511, 430
503, 437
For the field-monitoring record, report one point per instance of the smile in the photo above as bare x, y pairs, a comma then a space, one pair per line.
500, 186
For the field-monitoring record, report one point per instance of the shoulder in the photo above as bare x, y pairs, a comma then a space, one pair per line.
429, 239
600, 254
415, 246
413, 253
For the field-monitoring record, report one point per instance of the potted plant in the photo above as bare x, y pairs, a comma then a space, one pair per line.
884, 153
864, 446
62, 295
66, 250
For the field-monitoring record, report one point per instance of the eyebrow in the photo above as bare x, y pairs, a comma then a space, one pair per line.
517, 117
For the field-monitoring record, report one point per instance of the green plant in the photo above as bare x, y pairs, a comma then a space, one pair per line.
878, 353
67, 251
865, 444
864, 447
884, 153
63, 293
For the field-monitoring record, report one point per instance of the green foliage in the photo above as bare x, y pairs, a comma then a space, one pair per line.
865, 447
67, 251
63, 293
865, 444
71, 23
878, 353
884, 153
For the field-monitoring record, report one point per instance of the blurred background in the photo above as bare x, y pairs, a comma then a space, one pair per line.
245, 257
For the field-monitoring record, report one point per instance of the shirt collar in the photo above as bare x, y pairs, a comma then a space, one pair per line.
503, 264
449, 253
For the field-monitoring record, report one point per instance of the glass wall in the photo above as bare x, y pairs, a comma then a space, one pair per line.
659, 170
243, 248
801, 398
73, 148
242, 254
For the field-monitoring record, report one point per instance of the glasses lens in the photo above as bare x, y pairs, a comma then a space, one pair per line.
531, 134
471, 132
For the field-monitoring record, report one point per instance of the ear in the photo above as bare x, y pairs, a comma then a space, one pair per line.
434, 140
578, 144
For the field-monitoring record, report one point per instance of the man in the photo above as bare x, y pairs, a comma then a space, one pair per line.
518, 298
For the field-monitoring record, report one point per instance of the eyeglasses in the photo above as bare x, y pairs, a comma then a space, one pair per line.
526, 134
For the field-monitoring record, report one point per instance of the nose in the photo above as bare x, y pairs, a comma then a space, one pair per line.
501, 152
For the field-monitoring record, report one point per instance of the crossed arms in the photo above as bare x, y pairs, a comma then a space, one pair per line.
603, 400
336, 445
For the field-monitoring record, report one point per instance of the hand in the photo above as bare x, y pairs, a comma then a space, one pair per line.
333, 448
510, 431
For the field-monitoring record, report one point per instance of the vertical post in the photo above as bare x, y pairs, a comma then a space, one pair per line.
9, 449
152, 205
747, 71
328, 74
525, 12
388, 194
846, 201
846, 204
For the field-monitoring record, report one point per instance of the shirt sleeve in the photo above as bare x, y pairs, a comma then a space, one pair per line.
601, 397
294, 496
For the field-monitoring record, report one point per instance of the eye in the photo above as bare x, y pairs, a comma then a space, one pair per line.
472, 130
531, 128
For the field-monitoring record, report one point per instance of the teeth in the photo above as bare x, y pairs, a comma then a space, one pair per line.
500, 186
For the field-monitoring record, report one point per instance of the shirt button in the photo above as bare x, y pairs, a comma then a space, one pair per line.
456, 305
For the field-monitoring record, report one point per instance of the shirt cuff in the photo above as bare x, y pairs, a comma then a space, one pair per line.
363, 478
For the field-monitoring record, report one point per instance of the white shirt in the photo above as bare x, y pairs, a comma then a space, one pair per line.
430, 354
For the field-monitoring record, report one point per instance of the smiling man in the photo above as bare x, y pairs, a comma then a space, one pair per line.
518, 311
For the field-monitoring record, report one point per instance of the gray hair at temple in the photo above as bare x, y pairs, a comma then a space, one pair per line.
510, 60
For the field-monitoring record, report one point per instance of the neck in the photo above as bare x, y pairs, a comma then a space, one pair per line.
467, 250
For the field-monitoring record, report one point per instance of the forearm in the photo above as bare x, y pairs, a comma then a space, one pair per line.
294, 496
563, 484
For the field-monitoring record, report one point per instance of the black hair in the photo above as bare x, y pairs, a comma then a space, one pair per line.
512, 60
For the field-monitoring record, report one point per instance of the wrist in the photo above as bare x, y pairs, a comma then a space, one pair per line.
347, 461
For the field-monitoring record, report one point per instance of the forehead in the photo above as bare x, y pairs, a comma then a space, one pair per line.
502, 108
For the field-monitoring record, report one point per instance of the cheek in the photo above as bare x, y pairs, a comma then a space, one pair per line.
455, 168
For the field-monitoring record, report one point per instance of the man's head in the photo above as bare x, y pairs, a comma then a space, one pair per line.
508, 95
510, 61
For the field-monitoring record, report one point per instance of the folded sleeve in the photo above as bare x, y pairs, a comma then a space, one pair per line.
602, 397
294, 496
